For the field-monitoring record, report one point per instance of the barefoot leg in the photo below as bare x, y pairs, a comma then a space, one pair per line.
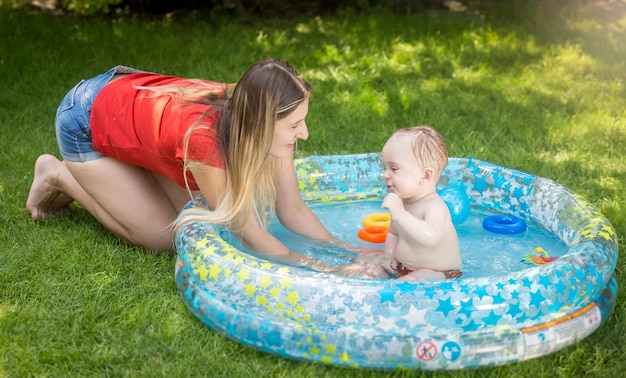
131, 202
128, 200
45, 197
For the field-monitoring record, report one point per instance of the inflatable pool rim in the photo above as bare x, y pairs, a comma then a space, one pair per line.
469, 322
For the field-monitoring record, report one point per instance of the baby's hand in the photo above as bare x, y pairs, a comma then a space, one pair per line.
394, 204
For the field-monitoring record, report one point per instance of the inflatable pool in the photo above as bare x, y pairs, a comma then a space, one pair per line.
384, 323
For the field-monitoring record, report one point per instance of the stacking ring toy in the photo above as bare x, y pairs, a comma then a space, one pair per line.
377, 220
373, 234
539, 256
504, 224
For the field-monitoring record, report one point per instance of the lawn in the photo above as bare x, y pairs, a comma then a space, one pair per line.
535, 89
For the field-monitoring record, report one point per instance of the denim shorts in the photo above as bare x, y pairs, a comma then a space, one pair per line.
72, 119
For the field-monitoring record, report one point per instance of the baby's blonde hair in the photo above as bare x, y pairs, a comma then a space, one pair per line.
428, 145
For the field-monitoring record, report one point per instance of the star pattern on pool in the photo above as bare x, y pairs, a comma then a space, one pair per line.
282, 309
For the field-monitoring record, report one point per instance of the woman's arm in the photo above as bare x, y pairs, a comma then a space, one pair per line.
291, 210
296, 215
255, 239
210, 180
212, 183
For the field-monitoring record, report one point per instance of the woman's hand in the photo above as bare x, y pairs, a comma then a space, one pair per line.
351, 248
358, 270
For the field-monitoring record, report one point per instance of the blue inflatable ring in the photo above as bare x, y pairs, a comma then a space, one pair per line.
504, 224
389, 324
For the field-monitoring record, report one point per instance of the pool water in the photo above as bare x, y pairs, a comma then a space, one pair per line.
484, 253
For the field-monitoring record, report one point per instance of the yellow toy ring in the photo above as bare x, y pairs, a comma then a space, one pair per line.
377, 220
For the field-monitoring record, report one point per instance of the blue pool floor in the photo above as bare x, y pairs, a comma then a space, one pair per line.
484, 253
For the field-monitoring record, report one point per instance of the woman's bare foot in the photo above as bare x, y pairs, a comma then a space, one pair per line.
45, 198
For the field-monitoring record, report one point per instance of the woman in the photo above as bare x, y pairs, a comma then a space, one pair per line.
136, 146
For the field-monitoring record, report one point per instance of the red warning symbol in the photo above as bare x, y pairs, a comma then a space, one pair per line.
426, 351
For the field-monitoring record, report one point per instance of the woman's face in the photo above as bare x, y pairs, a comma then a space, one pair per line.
288, 130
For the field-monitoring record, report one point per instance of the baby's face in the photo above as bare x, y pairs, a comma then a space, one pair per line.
403, 172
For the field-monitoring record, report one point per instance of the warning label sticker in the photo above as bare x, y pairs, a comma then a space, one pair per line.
557, 334
426, 351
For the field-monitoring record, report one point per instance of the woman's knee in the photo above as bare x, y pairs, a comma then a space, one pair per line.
158, 239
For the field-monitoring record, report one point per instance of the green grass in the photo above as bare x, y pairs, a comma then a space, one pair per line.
539, 93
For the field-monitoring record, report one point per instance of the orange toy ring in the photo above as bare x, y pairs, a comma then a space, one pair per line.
373, 234
377, 220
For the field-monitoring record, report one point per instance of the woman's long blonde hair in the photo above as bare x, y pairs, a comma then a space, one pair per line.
267, 92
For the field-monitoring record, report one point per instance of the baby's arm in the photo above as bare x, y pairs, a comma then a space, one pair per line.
387, 259
427, 232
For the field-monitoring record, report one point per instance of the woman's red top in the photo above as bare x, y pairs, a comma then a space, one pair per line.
145, 129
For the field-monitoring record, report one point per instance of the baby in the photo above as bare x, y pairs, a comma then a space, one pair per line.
422, 243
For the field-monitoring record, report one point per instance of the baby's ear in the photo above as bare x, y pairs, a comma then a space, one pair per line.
429, 173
